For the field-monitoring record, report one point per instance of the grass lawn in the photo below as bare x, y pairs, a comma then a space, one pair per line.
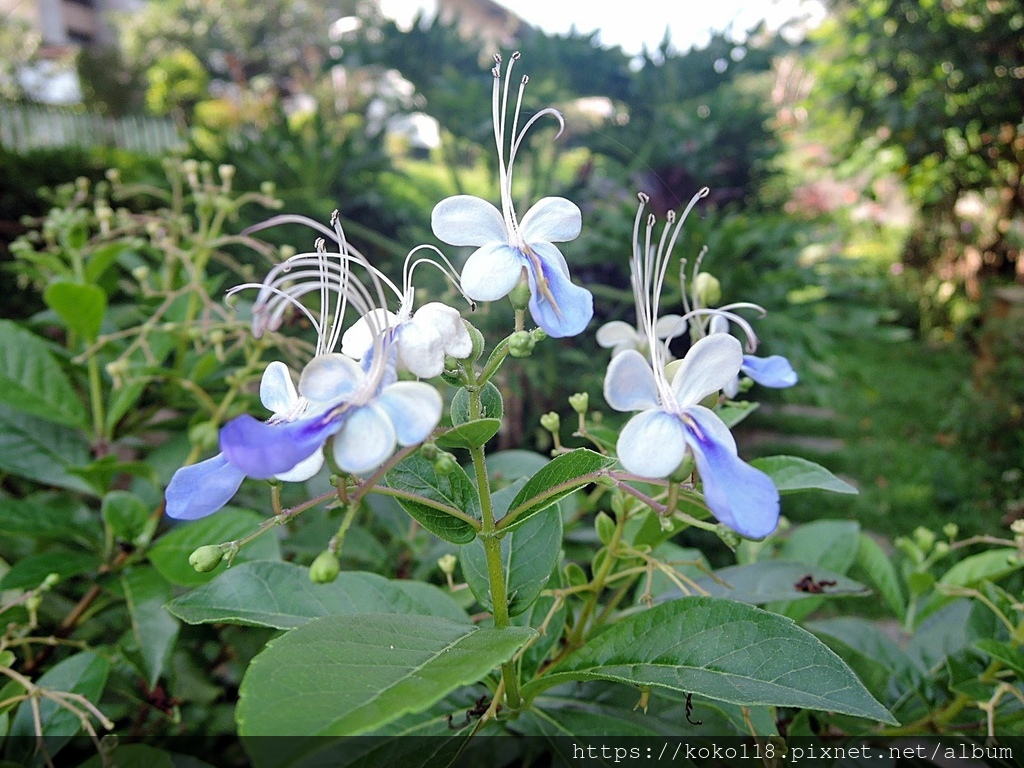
882, 424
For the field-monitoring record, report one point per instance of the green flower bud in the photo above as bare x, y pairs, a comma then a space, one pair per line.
539, 334
580, 402
552, 422
428, 451
521, 344
941, 548
707, 290
325, 568
447, 564
113, 175
924, 538
684, 470
605, 528
520, 295
206, 558
951, 530
268, 187
445, 464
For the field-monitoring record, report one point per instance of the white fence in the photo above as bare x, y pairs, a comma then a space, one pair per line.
29, 126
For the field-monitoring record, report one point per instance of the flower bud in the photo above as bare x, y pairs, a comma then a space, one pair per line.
445, 464
552, 422
707, 290
325, 568
580, 402
521, 344
952, 529
206, 558
447, 564
428, 451
268, 187
684, 470
113, 175
924, 538
520, 295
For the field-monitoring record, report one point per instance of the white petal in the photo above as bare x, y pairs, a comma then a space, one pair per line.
328, 378
629, 384
491, 272
305, 469
467, 220
365, 441
669, 326
719, 324
359, 336
709, 365
618, 336
414, 409
551, 220
449, 324
652, 444
277, 393
420, 349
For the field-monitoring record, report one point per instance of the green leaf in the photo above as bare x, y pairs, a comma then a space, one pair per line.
1010, 656
416, 475
736, 411
556, 480
121, 400
32, 382
529, 554
170, 553
126, 516
491, 406
57, 519
879, 568
724, 650
102, 258
85, 673
346, 675
950, 630
830, 544
280, 595
144, 756
42, 451
505, 467
991, 565
81, 307
792, 473
471, 434
29, 572
153, 628
772, 580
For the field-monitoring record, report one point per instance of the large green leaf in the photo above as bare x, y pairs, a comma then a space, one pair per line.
280, 595
770, 580
85, 674
346, 675
831, 544
416, 475
792, 473
491, 405
993, 564
556, 480
46, 517
529, 554
30, 571
472, 434
154, 630
32, 382
171, 552
41, 451
879, 569
724, 650
80, 306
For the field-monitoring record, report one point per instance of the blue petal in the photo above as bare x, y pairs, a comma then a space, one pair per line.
740, 496
264, 450
774, 371
629, 383
201, 489
652, 444
575, 304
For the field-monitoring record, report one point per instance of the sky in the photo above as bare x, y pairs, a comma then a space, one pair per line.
635, 23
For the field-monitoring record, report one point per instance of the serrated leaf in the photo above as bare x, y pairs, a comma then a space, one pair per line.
32, 382
41, 451
556, 480
777, 580
170, 553
416, 475
471, 434
280, 595
346, 675
880, 570
81, 307
724, 650
85, 673
792, 473
529, 555
491, 405
154, 629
